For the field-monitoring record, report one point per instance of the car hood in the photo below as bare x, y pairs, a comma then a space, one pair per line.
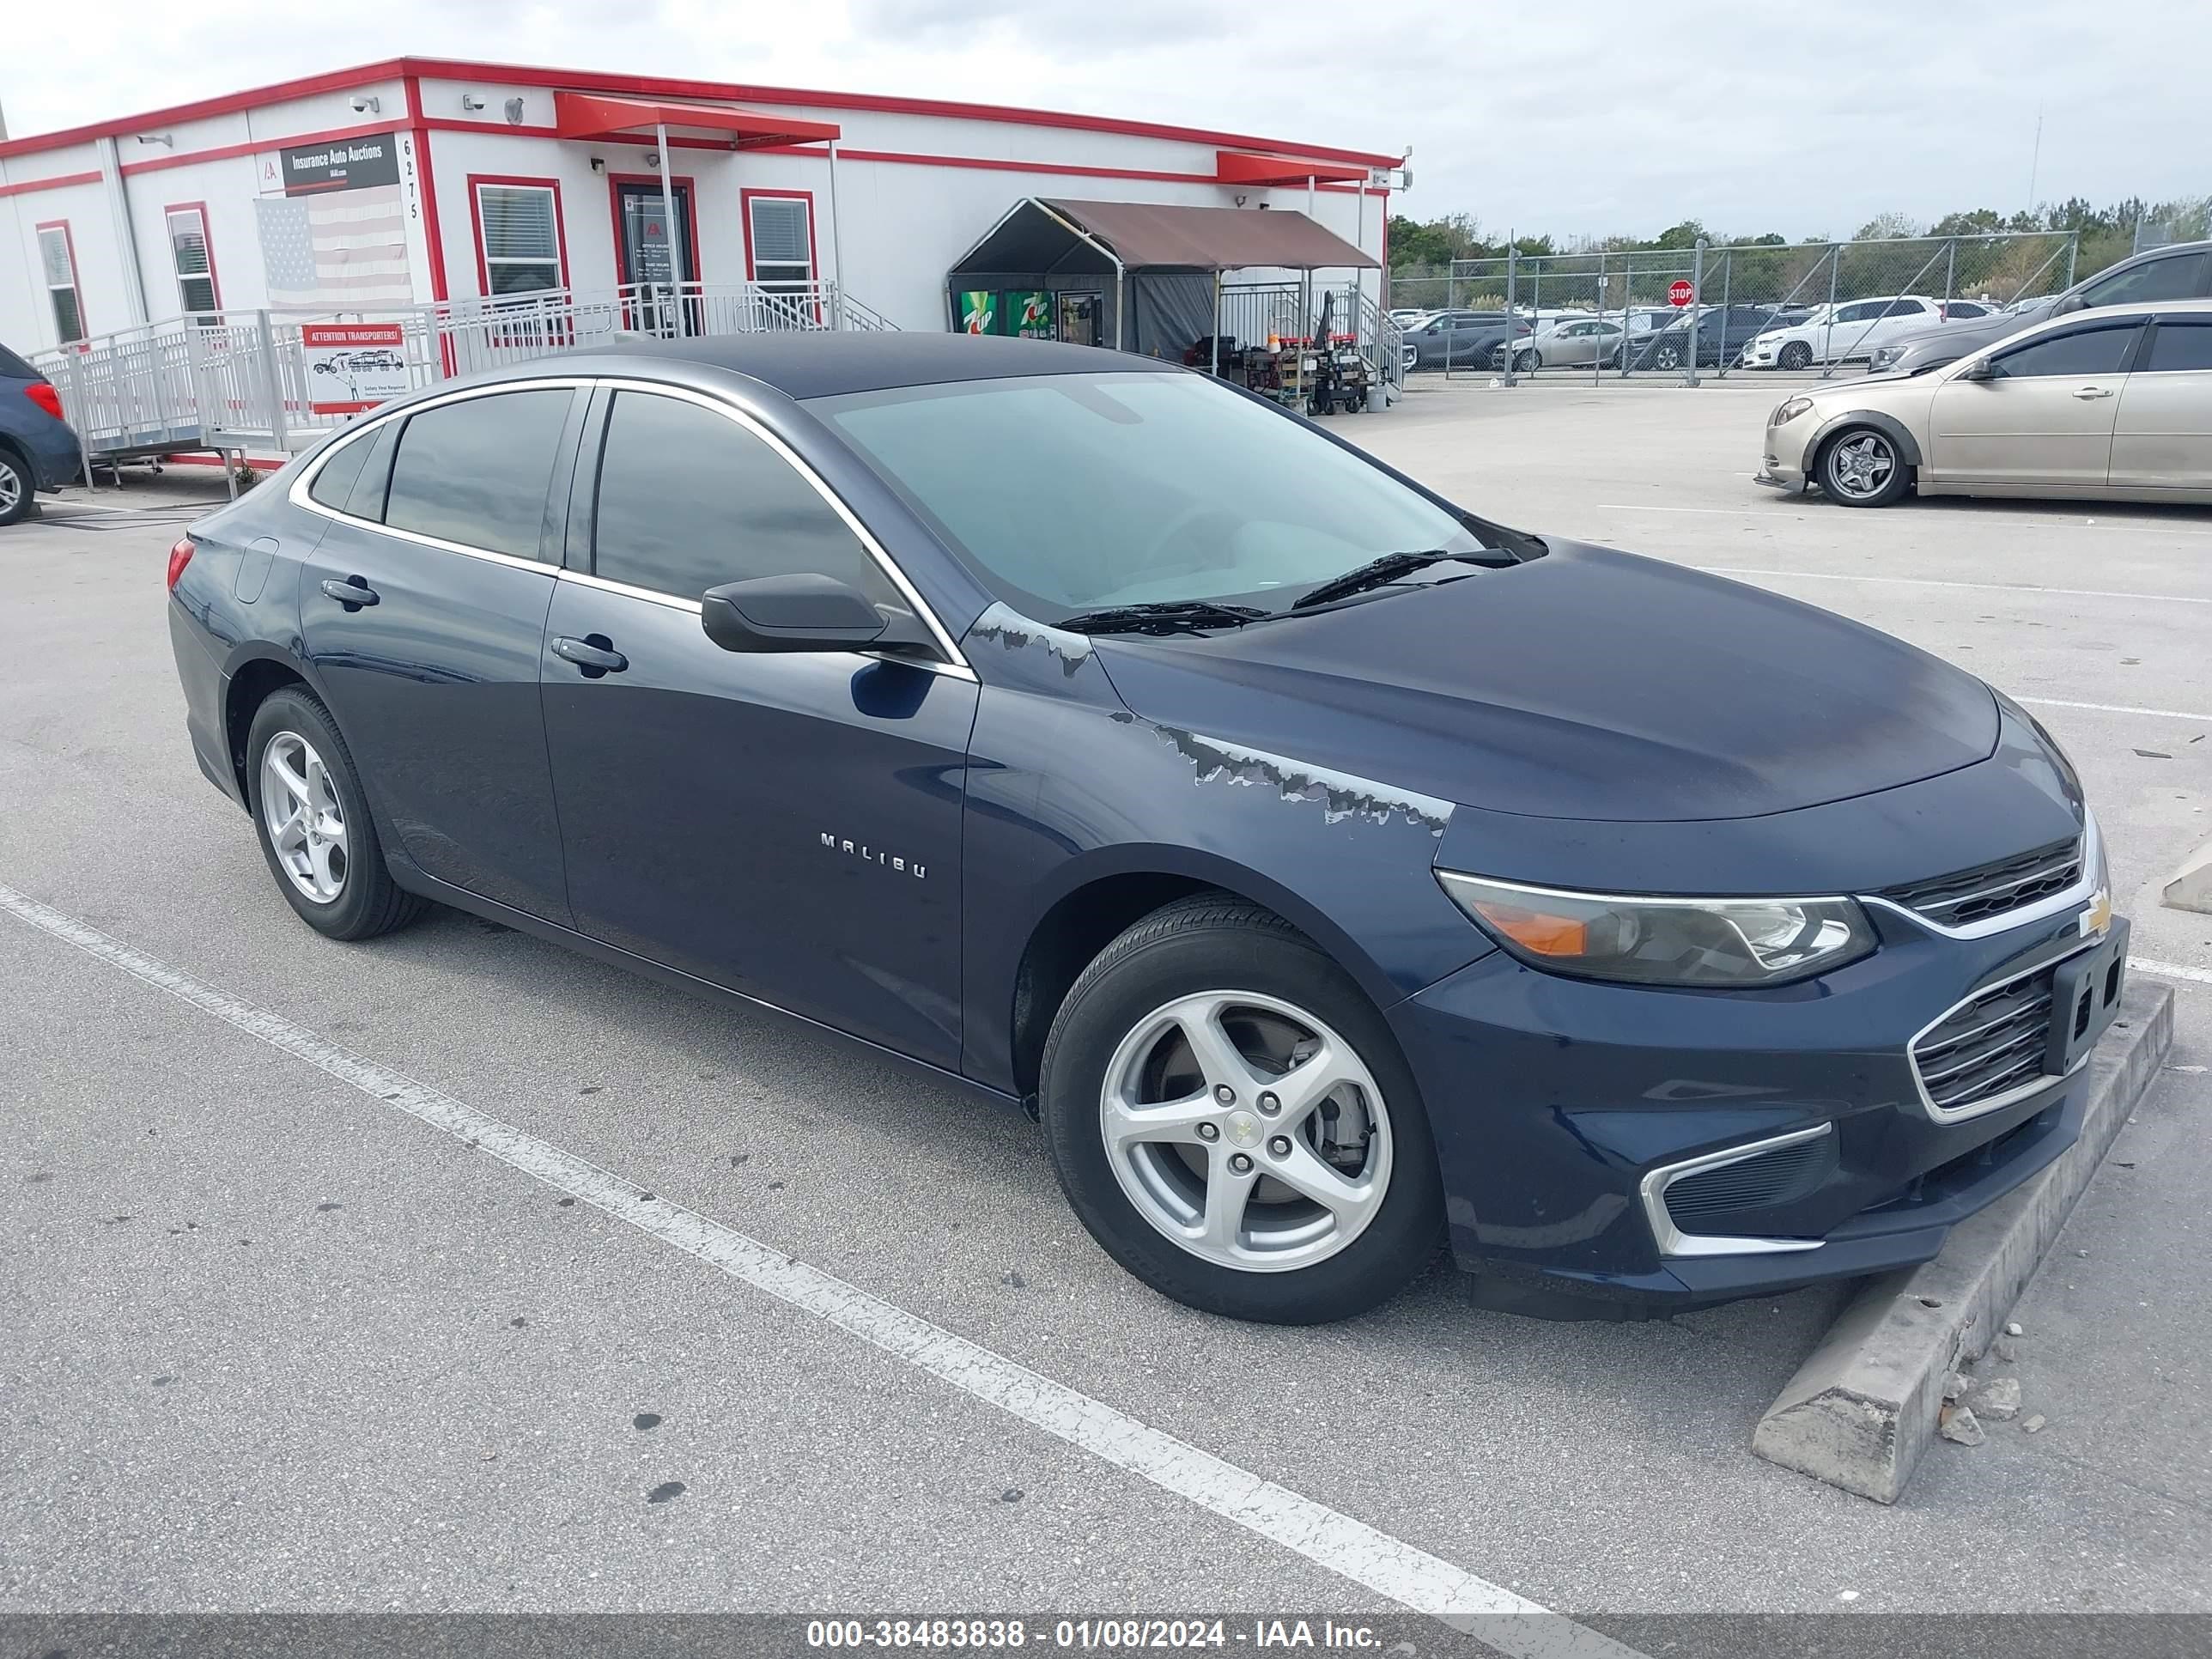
1589, 684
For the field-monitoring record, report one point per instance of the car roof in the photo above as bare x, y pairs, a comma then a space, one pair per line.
817, 363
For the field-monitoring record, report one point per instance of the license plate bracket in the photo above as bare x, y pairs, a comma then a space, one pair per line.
2085, 994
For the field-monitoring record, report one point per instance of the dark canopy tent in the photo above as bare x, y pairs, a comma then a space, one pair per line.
1153, 267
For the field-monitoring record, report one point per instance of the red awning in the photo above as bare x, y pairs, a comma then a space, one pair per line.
1234, 167
582, 115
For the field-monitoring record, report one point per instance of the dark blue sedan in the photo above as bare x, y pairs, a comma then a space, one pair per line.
37, 447
1337, 874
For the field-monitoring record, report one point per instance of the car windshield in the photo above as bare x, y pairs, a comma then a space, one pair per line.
1069, 493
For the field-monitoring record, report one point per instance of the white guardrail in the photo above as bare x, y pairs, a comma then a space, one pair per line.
249, 380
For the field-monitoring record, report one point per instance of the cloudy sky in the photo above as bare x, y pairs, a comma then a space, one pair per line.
1749, 115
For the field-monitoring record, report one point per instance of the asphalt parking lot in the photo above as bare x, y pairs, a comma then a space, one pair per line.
337, 1280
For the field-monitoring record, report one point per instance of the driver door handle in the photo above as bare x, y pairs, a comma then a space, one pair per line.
353, 592
2087, 391
595, 660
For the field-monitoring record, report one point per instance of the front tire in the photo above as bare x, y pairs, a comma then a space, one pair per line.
1527, 362
1230, 1116
312, 819
1860, 466
1795, 355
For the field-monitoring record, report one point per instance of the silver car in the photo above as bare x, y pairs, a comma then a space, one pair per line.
1567, 341
2115, 405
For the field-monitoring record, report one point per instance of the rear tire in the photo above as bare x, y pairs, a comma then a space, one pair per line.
1162, 1196
17, 492
311, 818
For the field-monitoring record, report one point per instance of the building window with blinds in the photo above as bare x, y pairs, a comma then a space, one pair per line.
193, 260
780, 239
57, 261
519, 237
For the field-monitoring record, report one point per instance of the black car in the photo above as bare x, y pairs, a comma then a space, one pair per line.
1334, 872
2182, 271
1722, 332
1463, 339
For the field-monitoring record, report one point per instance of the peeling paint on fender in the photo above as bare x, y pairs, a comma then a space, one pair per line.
1016, 632
1343, 794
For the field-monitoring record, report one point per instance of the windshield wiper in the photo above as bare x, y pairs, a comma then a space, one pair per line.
1374, 574
1163, 616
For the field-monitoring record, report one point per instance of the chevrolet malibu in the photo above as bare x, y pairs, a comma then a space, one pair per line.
1339, 876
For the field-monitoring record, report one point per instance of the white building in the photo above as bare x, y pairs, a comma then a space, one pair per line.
417, 181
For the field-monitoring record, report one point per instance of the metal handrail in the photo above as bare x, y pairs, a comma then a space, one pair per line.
239, 379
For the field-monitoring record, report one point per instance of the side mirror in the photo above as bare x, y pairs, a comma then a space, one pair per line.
798, 612
2071, 303
1985, 370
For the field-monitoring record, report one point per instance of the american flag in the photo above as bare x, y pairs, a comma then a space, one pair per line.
342, 248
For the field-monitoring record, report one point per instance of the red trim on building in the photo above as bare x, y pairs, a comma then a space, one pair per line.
57, 183
476, 222
745, 198
253, 147
207, 241
76, 275
659, 87
683, 182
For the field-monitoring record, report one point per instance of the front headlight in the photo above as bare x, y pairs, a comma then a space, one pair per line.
1789, 409
1665, 941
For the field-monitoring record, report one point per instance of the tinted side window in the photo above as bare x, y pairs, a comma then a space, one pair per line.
2092, 351
335, 481
1860, 313
2178, 348
2180, 276
689, 500
367, 500
1907, 308
476, 473
15, 368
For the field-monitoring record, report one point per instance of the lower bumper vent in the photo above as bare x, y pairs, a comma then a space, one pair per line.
1707, 1201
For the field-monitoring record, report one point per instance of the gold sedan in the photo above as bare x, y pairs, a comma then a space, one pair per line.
2111, 405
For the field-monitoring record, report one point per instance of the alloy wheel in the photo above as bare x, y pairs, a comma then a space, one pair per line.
303, 817
11, 488
1859, 465
1246, 1130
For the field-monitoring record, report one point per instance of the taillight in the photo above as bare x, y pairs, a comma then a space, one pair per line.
42, 393
179, 557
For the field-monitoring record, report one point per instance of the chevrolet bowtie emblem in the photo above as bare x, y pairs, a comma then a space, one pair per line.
2098, 918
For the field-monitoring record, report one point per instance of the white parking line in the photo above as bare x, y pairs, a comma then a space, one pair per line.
1980, 588
2020, 520
1350, 1548
2115, 708
2158, 969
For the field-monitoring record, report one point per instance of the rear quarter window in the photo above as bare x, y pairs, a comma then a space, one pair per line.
477, 472
14, 368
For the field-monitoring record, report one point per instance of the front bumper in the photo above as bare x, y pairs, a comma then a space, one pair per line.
1782, 460
1566, 1110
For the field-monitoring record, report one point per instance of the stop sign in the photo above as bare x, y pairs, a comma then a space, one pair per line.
1678, 293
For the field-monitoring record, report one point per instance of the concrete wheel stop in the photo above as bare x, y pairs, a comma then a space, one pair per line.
1864, 1405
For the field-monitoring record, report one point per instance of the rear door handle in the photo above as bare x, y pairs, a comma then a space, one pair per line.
2094, 391
594, 654
353, 592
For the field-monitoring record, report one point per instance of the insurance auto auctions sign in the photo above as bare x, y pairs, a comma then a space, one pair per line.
346, 164
353, 366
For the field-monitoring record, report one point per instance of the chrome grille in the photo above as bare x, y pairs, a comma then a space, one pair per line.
1988, 1046
1992, 889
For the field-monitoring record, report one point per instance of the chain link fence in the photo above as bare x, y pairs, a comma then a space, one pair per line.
1819, 308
